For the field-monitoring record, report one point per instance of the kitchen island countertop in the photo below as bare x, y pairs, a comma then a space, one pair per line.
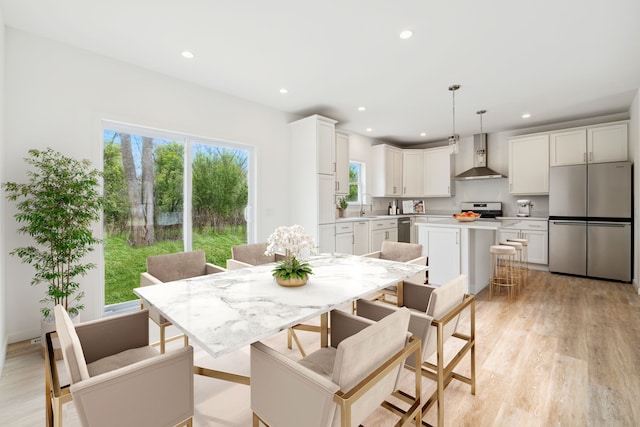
450, 222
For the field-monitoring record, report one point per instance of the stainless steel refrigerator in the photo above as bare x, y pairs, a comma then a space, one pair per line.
590, 220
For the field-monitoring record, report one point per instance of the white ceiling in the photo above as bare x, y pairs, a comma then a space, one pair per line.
558, 60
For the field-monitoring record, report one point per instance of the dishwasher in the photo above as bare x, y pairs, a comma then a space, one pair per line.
404, 229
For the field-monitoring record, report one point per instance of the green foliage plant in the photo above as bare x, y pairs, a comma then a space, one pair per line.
342, 203
57, 207
292, 268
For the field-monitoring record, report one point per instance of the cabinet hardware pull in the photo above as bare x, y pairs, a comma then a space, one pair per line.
585, 156
590, 156
335, 169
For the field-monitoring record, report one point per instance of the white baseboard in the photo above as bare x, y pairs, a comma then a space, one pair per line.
23, 336
3, 352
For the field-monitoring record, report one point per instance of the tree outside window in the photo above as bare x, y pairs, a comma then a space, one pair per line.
356, 181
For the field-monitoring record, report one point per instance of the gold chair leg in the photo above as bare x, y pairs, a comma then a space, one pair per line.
293, 334
256, 420
162, 338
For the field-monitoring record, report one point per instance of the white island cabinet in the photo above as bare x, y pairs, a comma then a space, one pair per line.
536, 233
457, 248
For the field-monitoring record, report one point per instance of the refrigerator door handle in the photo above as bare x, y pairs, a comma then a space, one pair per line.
610, 224
569, 223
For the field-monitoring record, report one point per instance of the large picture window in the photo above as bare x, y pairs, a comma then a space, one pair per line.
167, 193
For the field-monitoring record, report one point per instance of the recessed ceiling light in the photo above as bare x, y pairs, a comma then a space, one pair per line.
406, 34
188, 55
423, 134
369, 129
284, 91
361, 108
526, 115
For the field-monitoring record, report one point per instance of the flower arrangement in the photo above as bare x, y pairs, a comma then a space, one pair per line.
296, 245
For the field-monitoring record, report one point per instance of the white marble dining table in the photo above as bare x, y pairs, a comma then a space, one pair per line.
226, 311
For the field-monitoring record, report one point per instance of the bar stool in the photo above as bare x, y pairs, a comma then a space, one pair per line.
525, 257
502, 269
519, 266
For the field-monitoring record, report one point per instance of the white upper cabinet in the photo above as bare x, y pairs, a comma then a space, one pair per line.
326, 139
438, 172
568, 147
342, 163
529, 164
592, 144
387, 171
412, 173
608, 143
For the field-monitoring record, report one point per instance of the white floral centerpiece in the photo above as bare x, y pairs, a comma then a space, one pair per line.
296, 246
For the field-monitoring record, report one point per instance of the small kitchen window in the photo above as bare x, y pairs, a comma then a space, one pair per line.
356, 181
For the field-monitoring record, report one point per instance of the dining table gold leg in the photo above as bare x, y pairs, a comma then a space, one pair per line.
324, 330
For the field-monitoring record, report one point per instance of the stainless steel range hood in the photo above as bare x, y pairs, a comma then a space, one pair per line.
479, 169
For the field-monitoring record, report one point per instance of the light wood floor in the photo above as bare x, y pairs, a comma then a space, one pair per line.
565, 353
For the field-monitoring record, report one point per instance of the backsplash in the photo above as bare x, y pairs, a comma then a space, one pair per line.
486, 190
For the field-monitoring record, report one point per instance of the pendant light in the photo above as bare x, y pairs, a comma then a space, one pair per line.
454, 138
480, 113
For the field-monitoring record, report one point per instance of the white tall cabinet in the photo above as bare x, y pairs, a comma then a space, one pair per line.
313, 158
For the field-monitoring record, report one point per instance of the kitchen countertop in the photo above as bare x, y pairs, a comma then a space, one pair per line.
521, 218
452, 223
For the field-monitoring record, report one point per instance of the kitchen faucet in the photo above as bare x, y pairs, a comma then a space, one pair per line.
362, 203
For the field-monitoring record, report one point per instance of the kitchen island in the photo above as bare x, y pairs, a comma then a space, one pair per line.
456, 248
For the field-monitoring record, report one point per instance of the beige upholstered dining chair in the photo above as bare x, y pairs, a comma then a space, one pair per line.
243, 256
340, 385
410, 253
116, 378
444, 304
170, 267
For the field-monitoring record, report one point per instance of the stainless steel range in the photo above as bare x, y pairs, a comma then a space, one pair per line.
487, 210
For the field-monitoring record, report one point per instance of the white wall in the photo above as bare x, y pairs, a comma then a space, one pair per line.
634, 155
57, 96
3, 305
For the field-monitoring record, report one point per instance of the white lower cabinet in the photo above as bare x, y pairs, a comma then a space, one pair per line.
326, 238
536, 233
360, 237
344, 237
442, 246
379, 231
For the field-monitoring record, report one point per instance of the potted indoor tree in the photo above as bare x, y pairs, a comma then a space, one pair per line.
57, 207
